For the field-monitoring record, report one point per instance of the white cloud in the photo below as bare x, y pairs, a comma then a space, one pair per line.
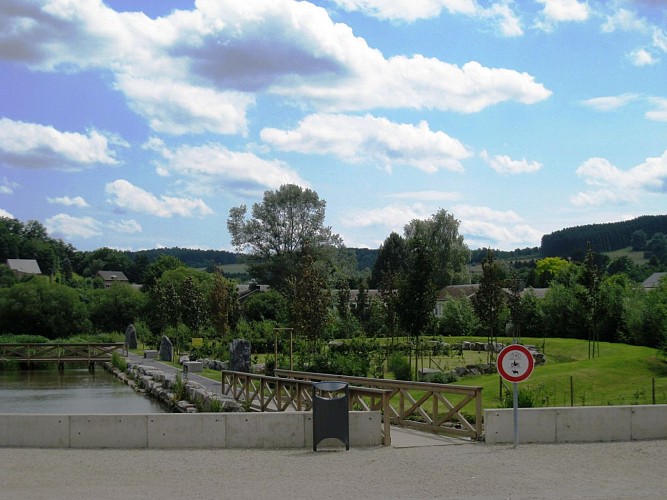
559, 11
407, 10
642, 57
5, 213
610, 103
213, 166
129, 226
129, 197
659, 113
77, 201
30, 145
372, 140
489, 227
7, 186
197, 71
66, 226
624, 20
428, 196
393, 217
660, 39
505, 165
618, 186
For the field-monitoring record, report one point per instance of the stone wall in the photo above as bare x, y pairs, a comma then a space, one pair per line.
167, 388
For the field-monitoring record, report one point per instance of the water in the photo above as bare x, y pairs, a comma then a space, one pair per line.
72, 391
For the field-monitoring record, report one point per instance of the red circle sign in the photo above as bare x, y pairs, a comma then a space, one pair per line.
515, 363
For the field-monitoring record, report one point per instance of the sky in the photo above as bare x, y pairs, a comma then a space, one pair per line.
138, 124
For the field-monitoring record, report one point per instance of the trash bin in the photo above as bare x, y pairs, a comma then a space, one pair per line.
331, 418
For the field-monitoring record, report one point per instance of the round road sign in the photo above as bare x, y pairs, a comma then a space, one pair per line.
515, 363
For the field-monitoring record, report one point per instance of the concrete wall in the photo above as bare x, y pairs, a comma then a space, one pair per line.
577, 424
172, 430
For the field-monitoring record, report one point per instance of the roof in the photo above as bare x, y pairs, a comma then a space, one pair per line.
457, 291
653, 280
25, 266
112, 275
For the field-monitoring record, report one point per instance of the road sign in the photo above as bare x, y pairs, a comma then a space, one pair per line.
515, 363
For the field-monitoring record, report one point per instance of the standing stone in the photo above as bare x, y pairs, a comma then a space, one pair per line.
166, 349
240, 355
131, 337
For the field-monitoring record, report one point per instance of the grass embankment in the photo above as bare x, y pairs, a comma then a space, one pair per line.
622, 374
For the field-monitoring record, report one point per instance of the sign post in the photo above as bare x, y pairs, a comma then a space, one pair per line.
515, 364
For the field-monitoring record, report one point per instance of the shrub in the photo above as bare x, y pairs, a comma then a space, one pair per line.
441, 378
400, 367
526, 399
118, 361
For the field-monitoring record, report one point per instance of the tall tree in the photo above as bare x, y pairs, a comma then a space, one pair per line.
590, 279
451, 255
417, 292
224, 305
488, 300
309, 300
281, 227
390, 260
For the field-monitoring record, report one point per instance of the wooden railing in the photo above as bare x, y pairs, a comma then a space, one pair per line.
60, 353
263, 393
431, 407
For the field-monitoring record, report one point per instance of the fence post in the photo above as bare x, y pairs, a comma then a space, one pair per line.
653, 390
571, 391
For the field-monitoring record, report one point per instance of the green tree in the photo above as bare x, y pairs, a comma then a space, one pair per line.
564, 314
548, 268
224, 307
193, 303
488, 300
638, 240
451, 255
390, 261
458, 318
113, 308
156, 269
266, 306
309, 301
37, 307
417, 292
281, 227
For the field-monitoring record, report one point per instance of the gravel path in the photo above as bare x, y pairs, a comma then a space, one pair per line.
631, 470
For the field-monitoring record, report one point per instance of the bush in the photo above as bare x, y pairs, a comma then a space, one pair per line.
441, 378
526, 399
118, 361
400, 367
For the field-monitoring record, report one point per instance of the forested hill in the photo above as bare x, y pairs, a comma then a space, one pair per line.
572, 241
190, 257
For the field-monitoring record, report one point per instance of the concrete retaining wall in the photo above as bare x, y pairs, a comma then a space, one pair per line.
577, 424
170, 430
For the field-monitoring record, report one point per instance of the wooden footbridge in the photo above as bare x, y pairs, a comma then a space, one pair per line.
437, 408
90, 353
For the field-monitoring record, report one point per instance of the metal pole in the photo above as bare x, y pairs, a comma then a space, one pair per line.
515, 397
571, 391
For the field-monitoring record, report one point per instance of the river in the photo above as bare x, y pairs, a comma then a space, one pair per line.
69, 392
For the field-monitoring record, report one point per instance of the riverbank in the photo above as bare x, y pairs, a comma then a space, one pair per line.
630, 470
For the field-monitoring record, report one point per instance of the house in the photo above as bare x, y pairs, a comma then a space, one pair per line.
653, 281
468, 292
113, 277
24, 267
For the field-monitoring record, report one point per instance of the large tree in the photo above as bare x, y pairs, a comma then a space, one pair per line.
451, 255
286, 222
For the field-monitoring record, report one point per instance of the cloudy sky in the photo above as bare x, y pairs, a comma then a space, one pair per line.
137, 129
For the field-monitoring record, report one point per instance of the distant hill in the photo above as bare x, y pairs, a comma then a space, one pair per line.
190, 257
571, 242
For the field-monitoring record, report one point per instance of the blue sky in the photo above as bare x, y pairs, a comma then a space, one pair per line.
139, 129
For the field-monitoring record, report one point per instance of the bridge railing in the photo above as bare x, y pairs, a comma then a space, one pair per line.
271, 394
431, 407
60, 353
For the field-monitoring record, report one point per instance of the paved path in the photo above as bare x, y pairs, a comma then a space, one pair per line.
632, 470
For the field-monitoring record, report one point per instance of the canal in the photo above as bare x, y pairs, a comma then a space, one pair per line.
72, 391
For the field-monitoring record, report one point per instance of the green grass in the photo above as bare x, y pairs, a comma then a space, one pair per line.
637, 257
234, 268
622, 374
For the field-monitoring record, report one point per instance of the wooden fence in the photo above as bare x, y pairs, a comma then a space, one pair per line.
265, 394
437, 408
60, 353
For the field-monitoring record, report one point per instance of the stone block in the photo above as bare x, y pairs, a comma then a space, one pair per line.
193, 366
649, 422
266, 430
150, 354
593, 423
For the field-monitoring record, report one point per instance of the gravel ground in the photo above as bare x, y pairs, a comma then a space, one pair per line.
632, 470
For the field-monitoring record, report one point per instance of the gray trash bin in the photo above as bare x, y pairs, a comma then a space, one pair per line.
331, 418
